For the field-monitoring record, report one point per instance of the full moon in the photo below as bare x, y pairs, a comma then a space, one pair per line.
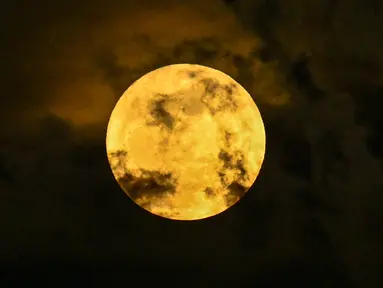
185, 142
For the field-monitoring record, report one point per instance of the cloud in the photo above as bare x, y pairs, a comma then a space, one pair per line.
342, 38
313, 68
63, 79
77, 67
328, 54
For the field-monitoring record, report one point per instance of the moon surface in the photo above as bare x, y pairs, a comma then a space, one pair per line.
185, 142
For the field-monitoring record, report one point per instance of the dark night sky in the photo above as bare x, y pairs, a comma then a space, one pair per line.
313, 217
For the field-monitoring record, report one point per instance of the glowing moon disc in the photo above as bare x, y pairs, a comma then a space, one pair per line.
185, 142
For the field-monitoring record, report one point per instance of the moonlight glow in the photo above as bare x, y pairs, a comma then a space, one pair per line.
185, 142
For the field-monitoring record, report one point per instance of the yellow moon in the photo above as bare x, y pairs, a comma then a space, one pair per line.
185, 141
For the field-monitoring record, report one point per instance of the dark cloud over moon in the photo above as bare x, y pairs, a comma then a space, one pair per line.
151, 183
224, 92
159, 113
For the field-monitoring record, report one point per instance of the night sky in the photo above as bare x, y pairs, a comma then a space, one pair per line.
314, 216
